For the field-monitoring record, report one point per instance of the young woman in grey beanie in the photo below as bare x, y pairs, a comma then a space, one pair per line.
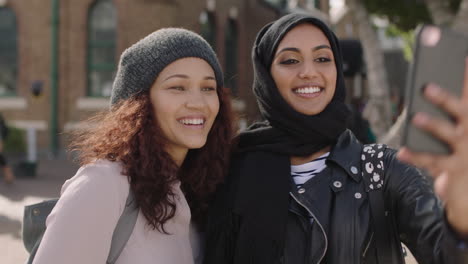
165, 141
301, 187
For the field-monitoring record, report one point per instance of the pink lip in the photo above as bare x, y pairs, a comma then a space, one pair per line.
192, 126
313, 95
305, 85
309, 95
192, 117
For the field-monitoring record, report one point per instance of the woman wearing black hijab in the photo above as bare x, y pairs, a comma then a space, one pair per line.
301, 188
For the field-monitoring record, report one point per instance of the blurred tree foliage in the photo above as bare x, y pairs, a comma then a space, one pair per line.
15, 142
407, 37
404, 14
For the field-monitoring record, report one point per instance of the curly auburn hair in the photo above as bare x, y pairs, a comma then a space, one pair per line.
130, 135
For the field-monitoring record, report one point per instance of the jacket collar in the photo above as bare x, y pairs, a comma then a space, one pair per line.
347, 154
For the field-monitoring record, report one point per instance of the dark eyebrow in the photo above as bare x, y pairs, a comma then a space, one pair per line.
177, 76
321, 47
287, 49
297, 50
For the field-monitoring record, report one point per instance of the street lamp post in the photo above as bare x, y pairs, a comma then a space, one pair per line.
54, 79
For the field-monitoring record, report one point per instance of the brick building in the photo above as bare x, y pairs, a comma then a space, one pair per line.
67, 52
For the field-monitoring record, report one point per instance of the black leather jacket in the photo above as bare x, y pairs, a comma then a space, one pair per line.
416, 213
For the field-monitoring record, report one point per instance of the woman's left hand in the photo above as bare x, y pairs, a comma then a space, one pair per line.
450, 172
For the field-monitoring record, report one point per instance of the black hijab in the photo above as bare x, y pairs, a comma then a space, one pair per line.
285, 130
248, 221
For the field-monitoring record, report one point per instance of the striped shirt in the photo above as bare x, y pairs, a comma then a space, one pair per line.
304, 172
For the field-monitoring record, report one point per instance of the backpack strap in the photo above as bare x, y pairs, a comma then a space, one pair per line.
123, 229
373, 174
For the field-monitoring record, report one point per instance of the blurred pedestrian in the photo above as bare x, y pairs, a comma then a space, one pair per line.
7, 171
165, 140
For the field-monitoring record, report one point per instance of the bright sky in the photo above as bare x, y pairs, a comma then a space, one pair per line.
335, 7
336, 3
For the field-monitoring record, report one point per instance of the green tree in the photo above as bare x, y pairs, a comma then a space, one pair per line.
404, 16
407, 14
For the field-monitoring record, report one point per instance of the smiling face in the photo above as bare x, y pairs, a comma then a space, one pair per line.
186, 103
304, 69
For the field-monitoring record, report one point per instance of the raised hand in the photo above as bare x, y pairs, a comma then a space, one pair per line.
450, 172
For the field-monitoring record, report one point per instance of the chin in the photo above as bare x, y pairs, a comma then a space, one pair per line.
196, 144
308, 111
314, 109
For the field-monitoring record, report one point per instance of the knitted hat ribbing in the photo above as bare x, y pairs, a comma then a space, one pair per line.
140, 64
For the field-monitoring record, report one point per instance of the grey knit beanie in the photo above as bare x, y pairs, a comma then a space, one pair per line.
141, 63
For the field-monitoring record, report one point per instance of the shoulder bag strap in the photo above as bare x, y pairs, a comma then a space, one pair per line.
373, 173
124, 228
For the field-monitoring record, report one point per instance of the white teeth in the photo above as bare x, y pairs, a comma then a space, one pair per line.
196, 121
307, 90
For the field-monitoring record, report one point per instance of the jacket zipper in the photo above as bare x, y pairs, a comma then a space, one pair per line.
367, 246
315, 219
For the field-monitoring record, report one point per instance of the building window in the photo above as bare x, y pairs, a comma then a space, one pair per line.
231, 54
317, 4
8, 52
312, 4
208, 28
101, 64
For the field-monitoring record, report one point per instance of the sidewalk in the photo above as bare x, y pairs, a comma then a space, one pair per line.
50, 176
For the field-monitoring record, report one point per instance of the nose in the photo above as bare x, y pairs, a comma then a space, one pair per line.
195, 99
307, 70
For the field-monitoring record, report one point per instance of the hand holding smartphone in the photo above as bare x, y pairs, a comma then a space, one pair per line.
439, 58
